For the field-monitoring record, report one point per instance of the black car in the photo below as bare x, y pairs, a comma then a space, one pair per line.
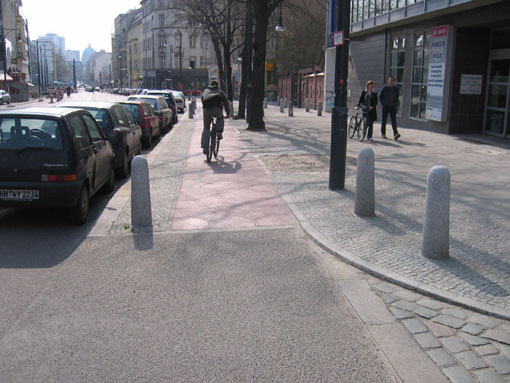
170, 100
118, 124
53, 157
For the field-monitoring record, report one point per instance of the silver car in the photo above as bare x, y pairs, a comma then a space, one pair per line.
4, 97
180, 100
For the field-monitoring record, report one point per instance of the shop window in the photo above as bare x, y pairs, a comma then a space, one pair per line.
397, 61
420, 75
501, 39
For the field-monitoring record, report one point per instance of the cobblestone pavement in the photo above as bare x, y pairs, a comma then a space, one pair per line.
475, 275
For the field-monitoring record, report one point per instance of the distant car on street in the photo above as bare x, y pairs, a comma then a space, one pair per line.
4, 97
180, 100
170, 100
146, 117
122, 131
53, 157
161, 108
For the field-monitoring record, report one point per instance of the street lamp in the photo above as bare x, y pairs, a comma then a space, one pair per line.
279, 27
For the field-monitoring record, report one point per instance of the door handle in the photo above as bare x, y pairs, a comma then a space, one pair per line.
96, 149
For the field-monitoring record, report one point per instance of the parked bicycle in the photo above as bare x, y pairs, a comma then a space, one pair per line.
358, 124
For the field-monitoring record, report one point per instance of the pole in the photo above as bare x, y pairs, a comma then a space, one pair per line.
38, 66
249, 57
339, 115
29, 46
74, 73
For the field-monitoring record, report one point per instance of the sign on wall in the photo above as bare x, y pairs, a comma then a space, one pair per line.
471, 84
437, 71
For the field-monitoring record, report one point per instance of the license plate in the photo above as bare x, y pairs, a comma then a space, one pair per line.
19, 195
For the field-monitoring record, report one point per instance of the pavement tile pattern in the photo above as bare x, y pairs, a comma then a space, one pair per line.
478, 267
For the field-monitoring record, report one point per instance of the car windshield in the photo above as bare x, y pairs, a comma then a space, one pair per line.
103, 119
29, 132
152, 101
135, 110
166, 96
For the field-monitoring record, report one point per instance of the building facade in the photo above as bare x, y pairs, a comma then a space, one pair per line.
450, 59
134, 52
123, 23
98, 69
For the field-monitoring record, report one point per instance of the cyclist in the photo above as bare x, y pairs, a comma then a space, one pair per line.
212, 100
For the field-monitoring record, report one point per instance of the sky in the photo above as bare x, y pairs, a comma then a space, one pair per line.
80, 21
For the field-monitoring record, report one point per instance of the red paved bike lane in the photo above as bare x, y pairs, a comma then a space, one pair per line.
230, 192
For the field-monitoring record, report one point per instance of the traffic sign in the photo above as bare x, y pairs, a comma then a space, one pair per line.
338, 38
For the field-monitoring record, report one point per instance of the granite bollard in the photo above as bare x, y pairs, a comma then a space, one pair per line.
291, 109
141, 213
436, 229
278, 100
231, 106
190, 111
286, 102
307, 105
364, 205
319, 109
265, 102
282, 106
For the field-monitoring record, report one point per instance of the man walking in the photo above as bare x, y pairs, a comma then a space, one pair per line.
212, 100
389, 100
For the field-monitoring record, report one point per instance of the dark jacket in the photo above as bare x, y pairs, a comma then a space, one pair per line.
366, 102
389, 96
213, 97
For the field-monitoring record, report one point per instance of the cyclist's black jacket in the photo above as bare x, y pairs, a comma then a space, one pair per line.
214, 97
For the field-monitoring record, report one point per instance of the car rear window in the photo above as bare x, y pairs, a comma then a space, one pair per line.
18, 133
151, 101
168, 98
134, 109
103, 119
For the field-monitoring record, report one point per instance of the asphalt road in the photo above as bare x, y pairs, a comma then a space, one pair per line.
231, 305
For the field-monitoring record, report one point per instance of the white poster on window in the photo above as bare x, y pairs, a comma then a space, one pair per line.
437, 70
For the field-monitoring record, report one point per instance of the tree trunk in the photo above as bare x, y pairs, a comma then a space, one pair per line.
228, 73
261, 14
242, 91
219, 58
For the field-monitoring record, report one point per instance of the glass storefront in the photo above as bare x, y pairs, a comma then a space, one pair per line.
497, 111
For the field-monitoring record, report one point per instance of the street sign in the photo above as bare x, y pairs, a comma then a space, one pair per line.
338, 38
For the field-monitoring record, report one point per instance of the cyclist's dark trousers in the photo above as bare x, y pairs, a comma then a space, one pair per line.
393, 115
220, 122
370, 125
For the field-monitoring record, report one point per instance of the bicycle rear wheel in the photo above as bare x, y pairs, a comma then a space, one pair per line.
211, 146
216, 147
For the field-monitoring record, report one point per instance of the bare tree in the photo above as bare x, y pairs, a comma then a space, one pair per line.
221, 19
262, 11
64, 73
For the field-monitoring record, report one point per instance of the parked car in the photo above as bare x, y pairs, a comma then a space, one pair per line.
53, 157
4, 97
158, 103
180, 100
170, 100
146, 117
122, 131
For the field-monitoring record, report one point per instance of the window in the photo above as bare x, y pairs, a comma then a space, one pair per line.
162, 61
17, 133
79, 130
94, 131
129, 116
420, 75
397, 61
121, 117
135, 48
192, 41
161, 20
147, 110
162, 40
192, 61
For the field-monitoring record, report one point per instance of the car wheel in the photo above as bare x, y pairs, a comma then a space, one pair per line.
2, 100
110, 185
123, 171
147, 142
80, 212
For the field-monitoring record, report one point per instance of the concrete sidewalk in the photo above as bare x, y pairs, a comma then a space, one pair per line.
295, 152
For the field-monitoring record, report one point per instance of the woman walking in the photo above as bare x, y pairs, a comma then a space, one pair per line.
368, 101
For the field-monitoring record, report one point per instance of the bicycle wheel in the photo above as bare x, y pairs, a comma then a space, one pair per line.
216, 147
352, 126
211, 146
362, 131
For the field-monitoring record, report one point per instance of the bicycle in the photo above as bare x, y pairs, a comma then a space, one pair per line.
358, 124
214, 142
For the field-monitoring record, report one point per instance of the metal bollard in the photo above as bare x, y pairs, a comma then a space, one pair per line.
307, 105
286, 102
319, 109
278, 100
364, 205
291, 109
265, 102
282, 106
141, 213
190, 111
436, 229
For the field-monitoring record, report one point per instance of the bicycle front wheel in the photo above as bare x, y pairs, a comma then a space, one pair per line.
211, 146
353, 122
362, 132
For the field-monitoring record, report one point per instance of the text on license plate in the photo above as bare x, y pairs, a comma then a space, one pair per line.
19, 195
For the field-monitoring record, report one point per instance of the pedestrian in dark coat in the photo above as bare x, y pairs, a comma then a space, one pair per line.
389, 101
368, 101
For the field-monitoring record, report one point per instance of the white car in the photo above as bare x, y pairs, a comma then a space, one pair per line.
4, 97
